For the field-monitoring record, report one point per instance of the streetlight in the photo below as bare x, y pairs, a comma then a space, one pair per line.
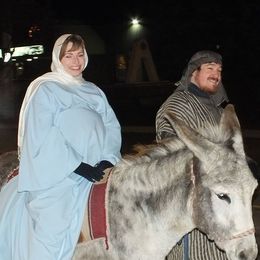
135, 22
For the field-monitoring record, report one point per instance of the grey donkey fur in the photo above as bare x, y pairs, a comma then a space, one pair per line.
168, 189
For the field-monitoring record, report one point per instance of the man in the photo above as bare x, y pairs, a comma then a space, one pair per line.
200, 95
198, 100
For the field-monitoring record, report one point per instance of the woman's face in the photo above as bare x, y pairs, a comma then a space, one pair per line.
73, 61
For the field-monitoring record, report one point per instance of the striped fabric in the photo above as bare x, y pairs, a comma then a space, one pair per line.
196, 112
200, 248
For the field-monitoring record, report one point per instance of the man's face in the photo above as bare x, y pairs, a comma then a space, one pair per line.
207, 77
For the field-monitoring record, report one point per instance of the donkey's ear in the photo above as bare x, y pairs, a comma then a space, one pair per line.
192, 139
230, 126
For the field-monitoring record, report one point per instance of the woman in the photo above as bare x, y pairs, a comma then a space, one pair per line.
68, 135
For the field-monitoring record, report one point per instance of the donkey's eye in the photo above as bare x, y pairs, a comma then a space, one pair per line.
223, 196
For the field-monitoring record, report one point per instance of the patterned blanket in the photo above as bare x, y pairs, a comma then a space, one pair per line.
95, 221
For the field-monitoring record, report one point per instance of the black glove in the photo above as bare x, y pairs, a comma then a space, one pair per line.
91, 173
104, 165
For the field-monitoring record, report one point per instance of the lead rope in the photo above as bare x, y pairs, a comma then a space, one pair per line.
186, 237
246, 233
192, 178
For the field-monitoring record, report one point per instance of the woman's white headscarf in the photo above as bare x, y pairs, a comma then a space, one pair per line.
57, 74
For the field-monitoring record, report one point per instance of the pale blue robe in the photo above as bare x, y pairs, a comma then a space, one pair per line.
41, 210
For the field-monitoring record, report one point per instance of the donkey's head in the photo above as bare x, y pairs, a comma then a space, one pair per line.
223, 185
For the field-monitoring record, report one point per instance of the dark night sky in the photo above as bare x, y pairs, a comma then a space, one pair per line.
180, 28
213, 20
233, 26
177, 29
102, 12
170, 22
192, 25
159, 11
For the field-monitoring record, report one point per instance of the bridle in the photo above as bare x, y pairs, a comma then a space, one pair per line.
248, 232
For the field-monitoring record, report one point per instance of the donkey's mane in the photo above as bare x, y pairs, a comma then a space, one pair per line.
169, 146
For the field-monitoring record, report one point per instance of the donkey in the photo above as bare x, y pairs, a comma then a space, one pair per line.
166, 190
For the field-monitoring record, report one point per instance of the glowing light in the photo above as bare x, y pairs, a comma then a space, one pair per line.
7, 56
24, 50
135, 21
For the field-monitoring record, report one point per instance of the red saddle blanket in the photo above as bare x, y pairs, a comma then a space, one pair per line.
94, 225
97, 210
12, 174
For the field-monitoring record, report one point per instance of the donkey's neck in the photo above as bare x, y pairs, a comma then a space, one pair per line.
168, 176
164, 187
177, 204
